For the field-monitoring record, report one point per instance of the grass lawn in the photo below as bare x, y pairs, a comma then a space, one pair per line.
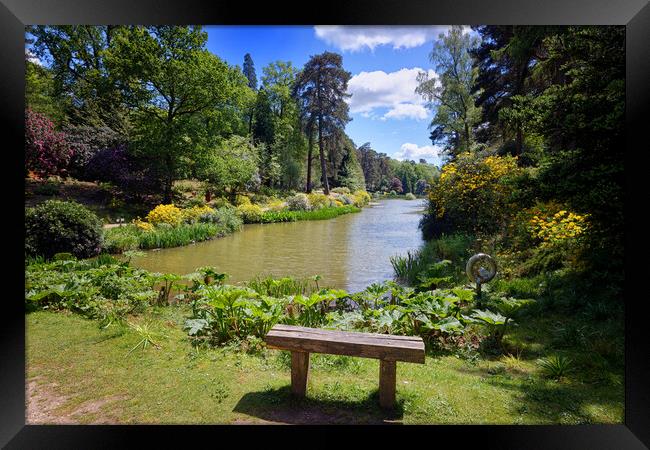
77, 373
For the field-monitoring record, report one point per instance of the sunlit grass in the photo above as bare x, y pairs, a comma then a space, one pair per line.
176, 383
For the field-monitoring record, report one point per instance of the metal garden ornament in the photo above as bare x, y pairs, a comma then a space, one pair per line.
480, 269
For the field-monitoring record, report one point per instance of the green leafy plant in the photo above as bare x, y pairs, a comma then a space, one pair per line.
56, 226
555, 366
147, 336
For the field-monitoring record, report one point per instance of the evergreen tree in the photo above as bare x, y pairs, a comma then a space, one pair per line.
321, 87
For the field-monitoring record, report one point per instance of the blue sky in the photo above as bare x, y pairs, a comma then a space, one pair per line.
384, 62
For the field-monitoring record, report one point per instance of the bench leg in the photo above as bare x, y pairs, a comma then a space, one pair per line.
387, 374
299, 373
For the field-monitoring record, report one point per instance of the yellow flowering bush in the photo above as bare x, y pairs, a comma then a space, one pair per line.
250, 213
168, 214
362, 198
318, 201
142, 225
242, 200
557, 228
276, 205
472, 194
192, 214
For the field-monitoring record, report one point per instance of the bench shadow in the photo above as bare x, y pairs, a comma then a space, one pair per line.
280, 406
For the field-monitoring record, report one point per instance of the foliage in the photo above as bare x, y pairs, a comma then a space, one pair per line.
47, 151
555, 366
471, 195
170, 93
321, 89
56, 226
557, 229
225, 216
229, 165
362, 198
168, 214
194, 213
85, 141
107, 292
184, 234
317, 201
449, 93
299, 202
409, 196
250, 213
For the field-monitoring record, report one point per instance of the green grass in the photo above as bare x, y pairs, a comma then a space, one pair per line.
129, 237
319, 214
70, 358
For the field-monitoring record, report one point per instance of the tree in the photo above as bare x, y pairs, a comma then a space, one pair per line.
321, 87
396, 185
229, 165
76, 55
171, 80
505, 60
450, 93
40, 93
251, 76
249, 71
582, 163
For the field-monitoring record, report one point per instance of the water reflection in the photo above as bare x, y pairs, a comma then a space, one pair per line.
349, 252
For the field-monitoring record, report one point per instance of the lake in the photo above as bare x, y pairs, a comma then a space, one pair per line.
349, 252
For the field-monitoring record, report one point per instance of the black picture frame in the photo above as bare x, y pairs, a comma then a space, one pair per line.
634, 14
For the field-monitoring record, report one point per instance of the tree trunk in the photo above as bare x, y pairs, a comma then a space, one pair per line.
326, 188
309, 157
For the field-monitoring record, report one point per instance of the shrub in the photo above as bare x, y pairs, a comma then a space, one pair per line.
101, 289
57, 227
117, 166
122, 239
555, 366
227, 217
276, 205
168, 214
250, 213
318, 201
362, 198
86, 141
142, 225
299, 202
341, 190
192, 215
242, 200
396, 186
46, 150
409, 196
472, 194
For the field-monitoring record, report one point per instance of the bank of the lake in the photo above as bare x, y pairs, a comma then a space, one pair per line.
349, 252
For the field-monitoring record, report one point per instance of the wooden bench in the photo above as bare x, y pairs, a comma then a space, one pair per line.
389, 349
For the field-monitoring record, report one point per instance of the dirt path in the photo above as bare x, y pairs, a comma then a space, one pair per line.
43, 402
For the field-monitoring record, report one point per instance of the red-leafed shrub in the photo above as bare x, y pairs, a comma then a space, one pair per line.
46, 150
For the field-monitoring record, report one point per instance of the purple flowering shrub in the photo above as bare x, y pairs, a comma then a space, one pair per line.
46, 150
85, 142
117, 166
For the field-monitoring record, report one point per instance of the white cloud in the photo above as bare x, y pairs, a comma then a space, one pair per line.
409, 151
394, 91
32, 58
355, 38
407, 111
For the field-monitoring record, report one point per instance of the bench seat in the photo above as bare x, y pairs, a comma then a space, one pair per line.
301, 341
